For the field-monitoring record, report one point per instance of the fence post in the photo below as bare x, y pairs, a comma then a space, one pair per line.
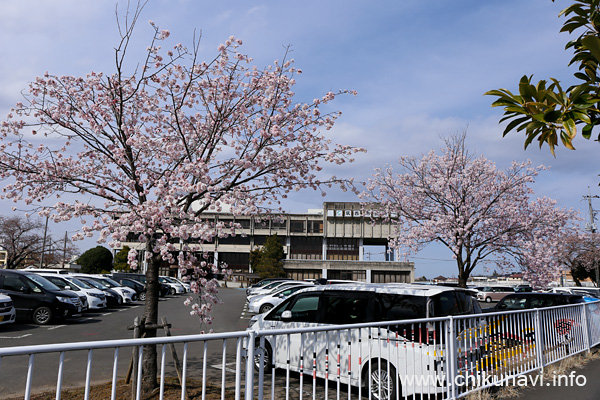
173, 351
451, 354
538, 337
250, 366
587, 340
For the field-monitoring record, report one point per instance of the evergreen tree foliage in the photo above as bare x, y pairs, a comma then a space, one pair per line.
120, 261
96, 261
267, 261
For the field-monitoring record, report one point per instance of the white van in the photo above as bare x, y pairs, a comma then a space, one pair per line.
377, 358
48, 270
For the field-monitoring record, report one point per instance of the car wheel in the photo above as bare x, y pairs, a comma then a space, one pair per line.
264, 308
172, 291
143, 296
267, 356
488, 299
42, 315
381, 385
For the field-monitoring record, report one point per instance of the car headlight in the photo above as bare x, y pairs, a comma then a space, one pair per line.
63, 299
97, 295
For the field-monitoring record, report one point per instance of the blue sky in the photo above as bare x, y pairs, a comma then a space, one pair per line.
420, 69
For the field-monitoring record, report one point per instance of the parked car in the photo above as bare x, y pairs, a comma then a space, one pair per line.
7, 310
95, 298
164, 289
593, 292
82, 296
186, 285
382, 362
493, 293
325, 281
128, 295
139, 287
175, 287
268, 288
529, 300
37, 298
267, 291
113, 298
262, 283
263, 303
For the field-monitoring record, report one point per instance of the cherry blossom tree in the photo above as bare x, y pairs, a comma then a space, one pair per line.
151, 147
473, 208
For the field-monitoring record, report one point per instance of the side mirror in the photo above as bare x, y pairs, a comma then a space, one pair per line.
287, 314
502, 306
25, 290
67, 287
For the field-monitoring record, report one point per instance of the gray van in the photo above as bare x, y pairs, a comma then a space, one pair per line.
493, 293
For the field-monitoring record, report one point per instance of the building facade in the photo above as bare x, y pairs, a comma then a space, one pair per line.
322, 243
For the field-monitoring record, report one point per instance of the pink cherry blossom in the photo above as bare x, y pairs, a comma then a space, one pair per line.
153, 146
479, 212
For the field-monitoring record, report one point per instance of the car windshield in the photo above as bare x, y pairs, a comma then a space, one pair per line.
43, 282
286, 292
79, 283
112, 282
133, 283
95, 284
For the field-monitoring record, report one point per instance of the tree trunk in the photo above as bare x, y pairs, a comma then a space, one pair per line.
150, 364
463, 276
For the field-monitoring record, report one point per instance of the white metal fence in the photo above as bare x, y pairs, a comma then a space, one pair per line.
446, 357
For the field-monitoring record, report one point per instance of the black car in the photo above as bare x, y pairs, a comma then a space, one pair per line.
38, 299
529, 300
163, 289
138, 286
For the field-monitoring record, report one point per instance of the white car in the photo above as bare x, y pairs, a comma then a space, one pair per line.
7, 310
253, 290
128, 295
186, 285
95, 297
176, 287
263, 303
276, 287
378, 358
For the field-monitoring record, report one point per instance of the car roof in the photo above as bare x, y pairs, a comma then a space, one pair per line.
391, 288
539, 294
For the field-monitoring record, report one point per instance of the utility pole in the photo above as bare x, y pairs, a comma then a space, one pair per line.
44, 245
592, 228
64, 251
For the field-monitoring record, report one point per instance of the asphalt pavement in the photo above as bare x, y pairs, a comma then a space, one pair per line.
578, 383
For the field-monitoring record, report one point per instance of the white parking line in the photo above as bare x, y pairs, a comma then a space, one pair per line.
15, 337
55, 327
219, 366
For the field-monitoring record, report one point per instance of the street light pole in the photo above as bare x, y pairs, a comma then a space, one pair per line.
591, 226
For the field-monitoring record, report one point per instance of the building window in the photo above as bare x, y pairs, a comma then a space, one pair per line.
243, 223
297, 226
260, 240
237, 262
315, 226
306, 248
238, 239
342, 249
279, 224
